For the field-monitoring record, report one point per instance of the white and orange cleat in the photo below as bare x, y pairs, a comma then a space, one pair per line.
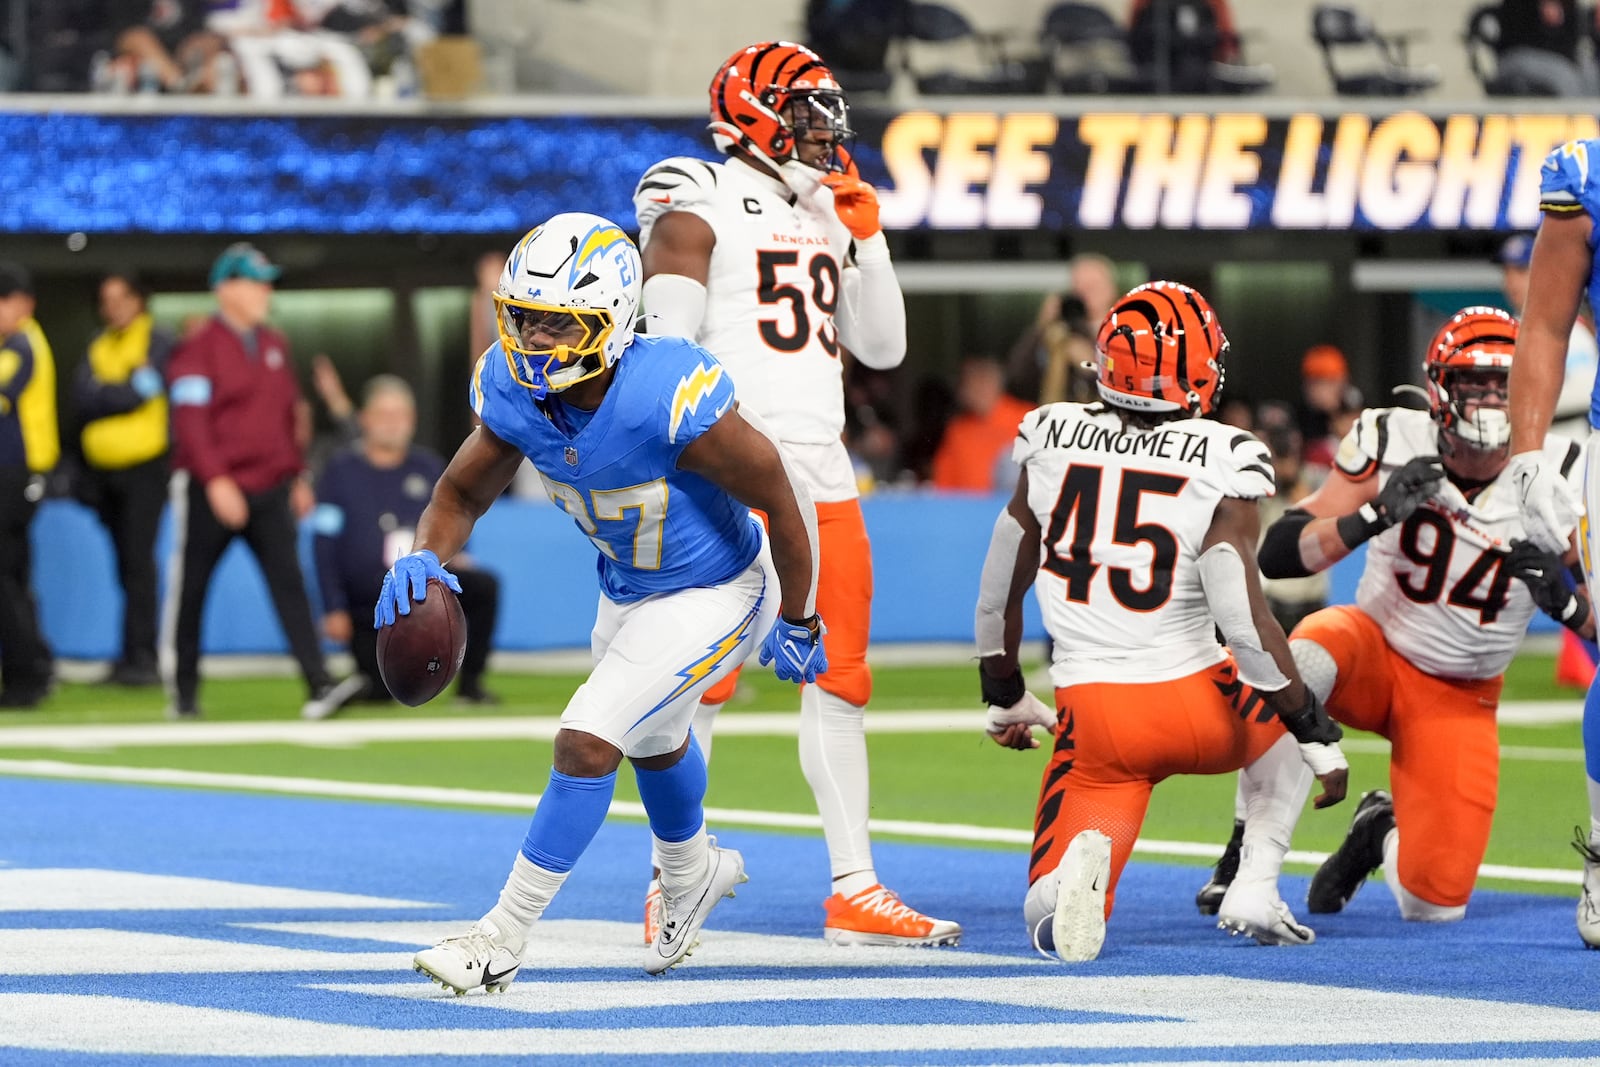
652, 911
877, 916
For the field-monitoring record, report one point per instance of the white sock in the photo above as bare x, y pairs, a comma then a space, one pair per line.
705, 717
1412, 907
833, 757
1594, 810
1239, 810
1274, 789
1039, 909
528, 891
683, 863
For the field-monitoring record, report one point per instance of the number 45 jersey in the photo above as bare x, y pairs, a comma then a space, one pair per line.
773, 287
1436, 583
1124, 513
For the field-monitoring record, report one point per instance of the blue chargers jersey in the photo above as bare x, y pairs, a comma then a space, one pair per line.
1569, 184
659, 529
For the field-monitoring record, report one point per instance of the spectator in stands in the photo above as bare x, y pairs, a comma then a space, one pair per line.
933, 406
975, 454
282, 51
241, 472
1047, 360
368, 502
869, 426
163, 43
1324, 377
121, 396
1539, 47
342, 427
29, 448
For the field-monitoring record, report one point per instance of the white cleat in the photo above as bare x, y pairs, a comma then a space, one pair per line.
1589, 903
683, 916
1255, 909
471, 961
652, 911
1082, 878
330, 699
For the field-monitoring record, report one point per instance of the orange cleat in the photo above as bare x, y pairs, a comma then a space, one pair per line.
876, 916
652, 911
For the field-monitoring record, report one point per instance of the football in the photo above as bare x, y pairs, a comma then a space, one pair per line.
420, 654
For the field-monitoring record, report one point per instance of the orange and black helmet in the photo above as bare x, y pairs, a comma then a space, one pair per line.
767, 94
1161, 349
1469, 359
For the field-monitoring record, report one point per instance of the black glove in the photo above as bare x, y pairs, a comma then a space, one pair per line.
1311, 724
1401, 495
1546, 578
1001, 692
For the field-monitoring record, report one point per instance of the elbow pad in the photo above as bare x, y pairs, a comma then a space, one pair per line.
674, 306
1279, 554
994, 588
1227, 591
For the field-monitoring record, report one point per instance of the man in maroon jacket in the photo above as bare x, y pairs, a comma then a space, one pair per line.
238, 470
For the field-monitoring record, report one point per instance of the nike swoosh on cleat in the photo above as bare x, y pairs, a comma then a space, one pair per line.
662, 199
490, 977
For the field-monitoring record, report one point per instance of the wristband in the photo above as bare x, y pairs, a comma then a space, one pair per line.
1001, 692
1360, 525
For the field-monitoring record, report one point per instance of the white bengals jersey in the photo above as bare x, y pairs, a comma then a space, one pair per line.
1435, 584
1125, 512
773, 287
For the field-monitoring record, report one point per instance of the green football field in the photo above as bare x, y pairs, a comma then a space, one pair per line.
948, 775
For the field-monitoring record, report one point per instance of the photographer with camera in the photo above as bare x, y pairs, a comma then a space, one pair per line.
1045, 362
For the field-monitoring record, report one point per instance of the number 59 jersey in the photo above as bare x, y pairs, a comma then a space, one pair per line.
774, 284
1436, 583
1124, 512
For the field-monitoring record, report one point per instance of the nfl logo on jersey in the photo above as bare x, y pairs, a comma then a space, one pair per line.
571, 456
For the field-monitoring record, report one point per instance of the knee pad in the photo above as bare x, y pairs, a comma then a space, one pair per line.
1316, 665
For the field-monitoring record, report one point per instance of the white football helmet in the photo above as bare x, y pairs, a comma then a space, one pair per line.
567, 300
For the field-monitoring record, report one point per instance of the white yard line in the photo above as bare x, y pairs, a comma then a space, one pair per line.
349, 733
731, 816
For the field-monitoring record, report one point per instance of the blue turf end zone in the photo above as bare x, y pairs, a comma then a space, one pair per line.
1516, 955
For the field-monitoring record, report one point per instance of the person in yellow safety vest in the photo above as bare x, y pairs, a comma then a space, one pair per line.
121, 396
29, 448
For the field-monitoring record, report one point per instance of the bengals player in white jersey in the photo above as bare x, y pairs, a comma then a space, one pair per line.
774, 260
1137, 521
1445, 596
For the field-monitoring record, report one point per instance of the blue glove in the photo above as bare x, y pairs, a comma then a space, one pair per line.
147, 382
797, 650
406, 581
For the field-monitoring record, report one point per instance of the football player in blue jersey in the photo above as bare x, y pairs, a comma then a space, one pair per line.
641, 440
1563, 269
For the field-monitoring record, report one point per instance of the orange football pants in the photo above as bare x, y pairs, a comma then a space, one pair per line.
1116, 740
844, 600
1444, 770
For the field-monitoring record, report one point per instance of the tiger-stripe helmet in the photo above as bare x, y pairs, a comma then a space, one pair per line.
1468, 367
1161, 349
767, 94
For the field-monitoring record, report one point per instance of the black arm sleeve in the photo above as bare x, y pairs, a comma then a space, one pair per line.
96, 399
1279, 554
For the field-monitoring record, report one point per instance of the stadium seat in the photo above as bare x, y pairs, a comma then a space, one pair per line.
949, 30
1389, 73
1087, 52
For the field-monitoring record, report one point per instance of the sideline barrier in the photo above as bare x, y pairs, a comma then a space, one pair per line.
927, 553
